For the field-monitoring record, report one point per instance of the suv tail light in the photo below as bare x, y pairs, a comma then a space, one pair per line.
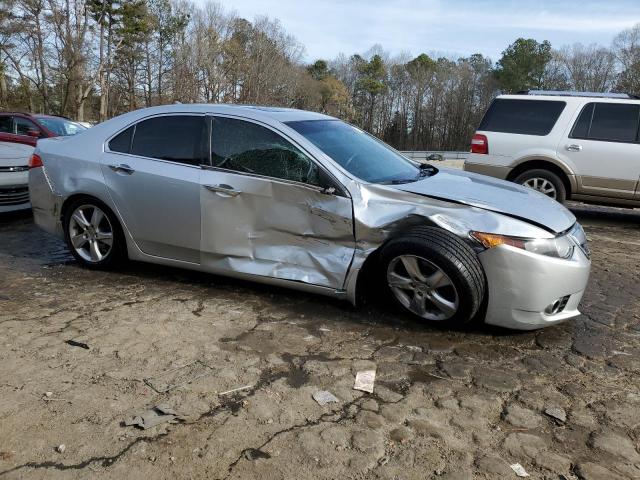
35, 161
479, 144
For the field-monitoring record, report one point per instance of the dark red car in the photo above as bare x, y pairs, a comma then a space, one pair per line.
27, 128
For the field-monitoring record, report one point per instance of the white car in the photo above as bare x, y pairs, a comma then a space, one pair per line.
568, 145
14, 176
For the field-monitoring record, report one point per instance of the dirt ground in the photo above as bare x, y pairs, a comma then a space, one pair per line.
448, 404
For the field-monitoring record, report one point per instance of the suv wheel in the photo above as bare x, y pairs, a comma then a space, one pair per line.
93, 234
545, 182
434, 275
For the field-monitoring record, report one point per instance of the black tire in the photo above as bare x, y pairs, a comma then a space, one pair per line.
555, 180
452, 256
118, 250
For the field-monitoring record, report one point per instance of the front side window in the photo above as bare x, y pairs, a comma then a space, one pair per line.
525, 117
177, 138
24, 126
250, 148
613, 122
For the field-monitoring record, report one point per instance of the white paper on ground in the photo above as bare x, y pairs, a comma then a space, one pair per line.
365, 380
519, 469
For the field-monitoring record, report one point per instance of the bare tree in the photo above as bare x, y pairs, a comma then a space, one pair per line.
626, 47
590, 68
98, 58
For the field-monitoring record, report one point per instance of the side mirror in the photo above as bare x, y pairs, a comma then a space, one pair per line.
329, 190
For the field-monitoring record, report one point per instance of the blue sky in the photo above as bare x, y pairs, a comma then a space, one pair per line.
451, 27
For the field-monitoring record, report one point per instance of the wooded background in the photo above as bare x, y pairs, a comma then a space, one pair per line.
94, 59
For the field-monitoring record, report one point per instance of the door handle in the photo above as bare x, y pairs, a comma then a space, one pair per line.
224, 189
123, 167
574, 147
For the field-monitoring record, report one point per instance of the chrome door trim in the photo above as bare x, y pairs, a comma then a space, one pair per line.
123, 167
223, 188
315, 188
170, 162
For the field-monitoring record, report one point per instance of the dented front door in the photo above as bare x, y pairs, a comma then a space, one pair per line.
270, 228
264, 212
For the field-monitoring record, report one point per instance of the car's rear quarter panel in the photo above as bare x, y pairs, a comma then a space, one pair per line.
69, 169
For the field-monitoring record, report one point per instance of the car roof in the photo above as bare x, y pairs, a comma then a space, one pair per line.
42, 115
33, 115
257, 112
585, 98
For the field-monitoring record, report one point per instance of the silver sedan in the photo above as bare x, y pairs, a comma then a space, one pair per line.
304, 200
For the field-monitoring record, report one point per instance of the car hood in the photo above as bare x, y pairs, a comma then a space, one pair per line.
495, 195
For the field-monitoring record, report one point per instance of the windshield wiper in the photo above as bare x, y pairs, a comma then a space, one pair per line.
398, 181
425, 170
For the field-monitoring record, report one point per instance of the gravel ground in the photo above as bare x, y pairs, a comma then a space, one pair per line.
448, 404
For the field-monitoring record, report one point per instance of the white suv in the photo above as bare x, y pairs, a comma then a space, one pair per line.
568, 145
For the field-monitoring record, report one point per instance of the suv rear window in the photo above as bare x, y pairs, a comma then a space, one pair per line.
609, 122
526, 117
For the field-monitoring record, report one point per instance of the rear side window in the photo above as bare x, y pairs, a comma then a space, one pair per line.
177, 138
122, 142
526, 117
612, 122
5, 125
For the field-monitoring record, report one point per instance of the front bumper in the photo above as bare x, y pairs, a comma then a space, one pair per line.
522, 285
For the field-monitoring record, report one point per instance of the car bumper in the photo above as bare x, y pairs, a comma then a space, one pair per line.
14, 194
523, 285
45, 203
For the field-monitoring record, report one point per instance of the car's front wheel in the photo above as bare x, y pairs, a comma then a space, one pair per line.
93, 233
434, 275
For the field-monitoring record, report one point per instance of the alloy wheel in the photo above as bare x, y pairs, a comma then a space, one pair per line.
91, 233
542, 185
422, 287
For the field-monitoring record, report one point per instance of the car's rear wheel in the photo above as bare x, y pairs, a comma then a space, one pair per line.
545, 182
434, 275
93, 234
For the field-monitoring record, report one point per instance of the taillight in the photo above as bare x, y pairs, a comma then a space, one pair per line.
479, 144
35, 161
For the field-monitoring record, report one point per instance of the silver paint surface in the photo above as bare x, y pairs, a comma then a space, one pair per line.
285, 233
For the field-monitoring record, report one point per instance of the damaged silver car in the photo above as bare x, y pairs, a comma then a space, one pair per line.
304, 200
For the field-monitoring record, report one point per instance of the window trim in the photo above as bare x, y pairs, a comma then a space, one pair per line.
588, 138
106, 149
340, 190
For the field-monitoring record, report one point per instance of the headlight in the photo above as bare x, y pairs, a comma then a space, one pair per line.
578, 236
559, 247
